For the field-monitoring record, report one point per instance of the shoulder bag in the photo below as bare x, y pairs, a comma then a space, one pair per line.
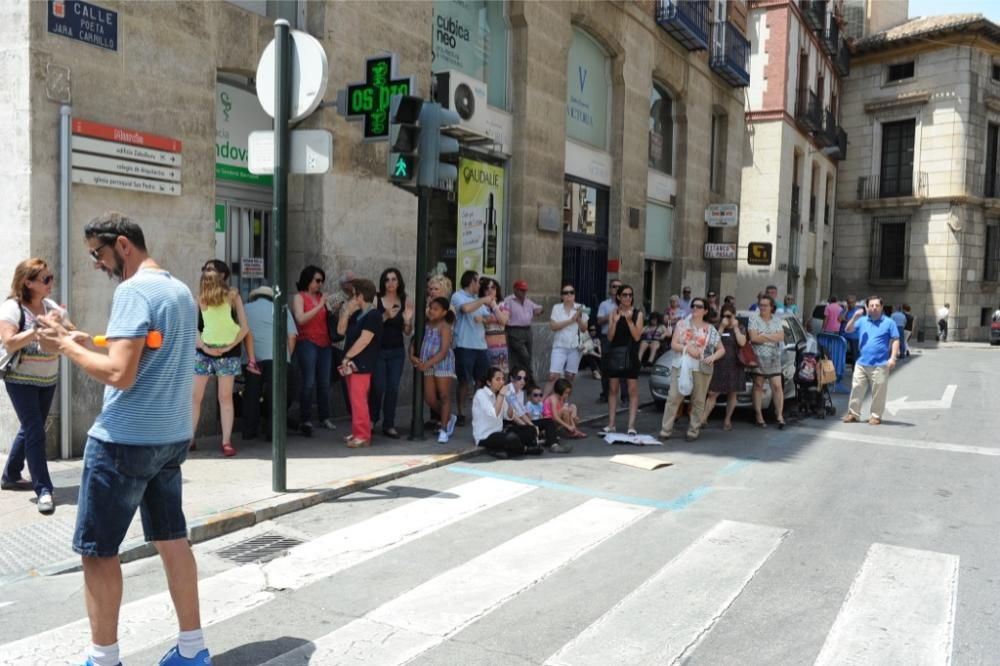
9, 361
747, 357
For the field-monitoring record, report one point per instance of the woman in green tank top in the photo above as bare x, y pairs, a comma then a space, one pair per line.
222, 329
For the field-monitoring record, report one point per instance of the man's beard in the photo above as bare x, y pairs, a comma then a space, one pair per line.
118, 272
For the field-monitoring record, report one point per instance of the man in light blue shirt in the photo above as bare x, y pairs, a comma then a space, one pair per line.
140, 439
260, 318
878, 339
471, 359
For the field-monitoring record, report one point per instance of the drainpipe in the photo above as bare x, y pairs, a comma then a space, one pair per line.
65, 368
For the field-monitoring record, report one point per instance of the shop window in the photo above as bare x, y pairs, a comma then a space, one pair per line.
470, 36
991, 269
889, 247
661, 131
900, 71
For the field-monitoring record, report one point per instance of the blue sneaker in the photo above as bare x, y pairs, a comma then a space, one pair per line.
174, 658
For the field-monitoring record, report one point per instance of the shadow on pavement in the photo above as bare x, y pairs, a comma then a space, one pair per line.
259, 652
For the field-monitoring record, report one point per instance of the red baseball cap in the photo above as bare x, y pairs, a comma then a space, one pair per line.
521, 284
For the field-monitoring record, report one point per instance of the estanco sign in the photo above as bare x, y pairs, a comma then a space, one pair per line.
237, 114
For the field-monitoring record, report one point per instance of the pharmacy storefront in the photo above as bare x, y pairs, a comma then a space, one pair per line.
243, 200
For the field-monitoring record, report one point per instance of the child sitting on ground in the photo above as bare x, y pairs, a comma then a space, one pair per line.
653, 336
563, 414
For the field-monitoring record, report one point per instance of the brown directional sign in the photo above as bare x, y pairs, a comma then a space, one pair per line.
759, 254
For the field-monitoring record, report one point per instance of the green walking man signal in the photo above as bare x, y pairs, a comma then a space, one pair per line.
419, 154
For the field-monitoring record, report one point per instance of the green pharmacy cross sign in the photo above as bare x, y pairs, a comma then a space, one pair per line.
369, 100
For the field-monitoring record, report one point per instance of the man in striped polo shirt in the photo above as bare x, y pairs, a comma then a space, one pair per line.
139, 440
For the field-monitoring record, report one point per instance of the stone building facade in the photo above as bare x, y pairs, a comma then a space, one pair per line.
918, 216
608, 132
794, 145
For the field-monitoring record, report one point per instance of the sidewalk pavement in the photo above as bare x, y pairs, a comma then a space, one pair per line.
222, 495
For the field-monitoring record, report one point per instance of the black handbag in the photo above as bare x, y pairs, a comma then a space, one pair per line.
618, 360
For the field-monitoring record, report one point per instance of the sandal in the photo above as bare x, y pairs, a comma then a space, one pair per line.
632, 432
606, 430
358, 443
228, 450
727, 426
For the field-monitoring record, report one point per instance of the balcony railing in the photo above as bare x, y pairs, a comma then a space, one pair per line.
815, 13
808, 110
831, 38
686, 21
843, 59
873, 187
828, 136
730, 54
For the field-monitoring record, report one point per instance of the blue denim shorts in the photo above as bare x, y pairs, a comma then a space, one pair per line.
119, 478
471, 364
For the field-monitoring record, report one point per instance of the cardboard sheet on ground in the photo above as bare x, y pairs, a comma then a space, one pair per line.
634, 440
642, 462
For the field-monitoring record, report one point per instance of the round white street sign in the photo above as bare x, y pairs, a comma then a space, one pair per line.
310, 70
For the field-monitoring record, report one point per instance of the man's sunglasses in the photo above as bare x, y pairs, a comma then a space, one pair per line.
95, 254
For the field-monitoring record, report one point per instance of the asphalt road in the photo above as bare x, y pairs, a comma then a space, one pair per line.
822, 543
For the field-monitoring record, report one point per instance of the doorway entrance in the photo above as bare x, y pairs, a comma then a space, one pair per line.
585, 241
243, 238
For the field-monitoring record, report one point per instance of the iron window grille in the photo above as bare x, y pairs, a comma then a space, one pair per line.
890, 241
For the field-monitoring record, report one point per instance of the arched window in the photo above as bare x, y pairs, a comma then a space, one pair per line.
661, 130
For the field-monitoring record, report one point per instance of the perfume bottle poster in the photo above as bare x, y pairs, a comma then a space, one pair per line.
480, 217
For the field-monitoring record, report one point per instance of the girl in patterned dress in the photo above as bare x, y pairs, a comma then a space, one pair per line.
437, 362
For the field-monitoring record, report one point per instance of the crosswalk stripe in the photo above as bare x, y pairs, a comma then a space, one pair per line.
427, 615
663, 619
900, 610
151, 620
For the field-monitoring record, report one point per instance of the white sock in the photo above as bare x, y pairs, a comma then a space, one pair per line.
104, 655
190, 643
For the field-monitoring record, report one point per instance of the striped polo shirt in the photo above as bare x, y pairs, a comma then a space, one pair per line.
156, 409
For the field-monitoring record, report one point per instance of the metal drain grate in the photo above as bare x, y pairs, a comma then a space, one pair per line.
261, 548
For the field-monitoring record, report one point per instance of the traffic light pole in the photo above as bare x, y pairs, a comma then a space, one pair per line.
279, 377
420, 308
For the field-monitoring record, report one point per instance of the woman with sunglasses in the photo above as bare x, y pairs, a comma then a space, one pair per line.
313, 350
727, 377
495, 323
31, 382
767, 335
567, 321
622, 360
397, 325
700, 340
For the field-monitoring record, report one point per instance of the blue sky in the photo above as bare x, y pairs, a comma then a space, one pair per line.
990, 8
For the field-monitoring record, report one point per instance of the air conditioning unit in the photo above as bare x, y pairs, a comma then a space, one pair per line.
466, 95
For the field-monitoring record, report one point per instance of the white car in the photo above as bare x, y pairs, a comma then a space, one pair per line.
797, 341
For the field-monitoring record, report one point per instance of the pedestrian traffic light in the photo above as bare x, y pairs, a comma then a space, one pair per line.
435, 148
404, 139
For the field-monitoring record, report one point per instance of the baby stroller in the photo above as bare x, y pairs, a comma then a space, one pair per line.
812, 386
